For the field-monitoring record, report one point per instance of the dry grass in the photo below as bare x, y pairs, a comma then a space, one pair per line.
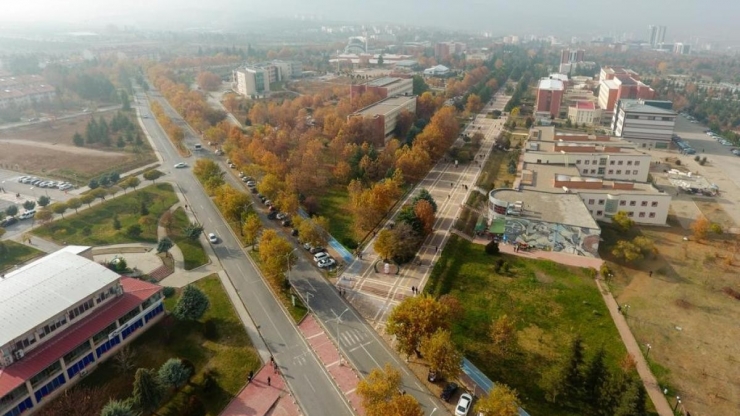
714, 212
688, 313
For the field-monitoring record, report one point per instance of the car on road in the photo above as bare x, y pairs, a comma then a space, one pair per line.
736, 152
27, 215
272, 215
282, 216
448, 391
8, 221
181, 165
212, 238
327, 263
463, 405
320, 256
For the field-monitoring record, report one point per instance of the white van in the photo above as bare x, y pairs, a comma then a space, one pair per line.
320, 256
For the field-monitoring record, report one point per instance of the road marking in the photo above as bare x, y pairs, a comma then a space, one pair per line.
309, 383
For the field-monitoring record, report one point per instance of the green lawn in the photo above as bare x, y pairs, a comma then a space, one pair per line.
192, 250
333, 206
229, 354
549, 302
94, 226
17, 254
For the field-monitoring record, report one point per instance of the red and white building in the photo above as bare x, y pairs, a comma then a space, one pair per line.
25, 90
584, 112
60, 317
617, 83
549, 97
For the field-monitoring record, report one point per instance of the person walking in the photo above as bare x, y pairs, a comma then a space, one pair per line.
269, 380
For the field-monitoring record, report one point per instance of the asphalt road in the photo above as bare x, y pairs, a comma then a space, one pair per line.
306, 377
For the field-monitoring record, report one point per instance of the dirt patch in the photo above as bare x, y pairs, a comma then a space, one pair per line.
714, 213
683, 304
543, 277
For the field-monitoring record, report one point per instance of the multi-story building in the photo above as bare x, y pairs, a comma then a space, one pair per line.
617, 83
61, 316
681, 48
24, 90
656, 35
252, 81
549, 97
286, 69
386, 87
443, 50
384, 115
647, 123
570, 58
584, 112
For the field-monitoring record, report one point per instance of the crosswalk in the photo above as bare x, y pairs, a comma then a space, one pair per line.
352, 337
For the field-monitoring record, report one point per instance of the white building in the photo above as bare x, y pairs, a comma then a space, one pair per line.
584, 112
647, 123
252, 81
437, 71
60, 317
681, 48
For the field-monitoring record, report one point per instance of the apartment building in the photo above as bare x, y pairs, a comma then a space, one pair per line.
60, 317
647, 123
570, 58
386, 87
549, 97
584, 112
616, 83
24, 90
444, 50
252, 81
385, 114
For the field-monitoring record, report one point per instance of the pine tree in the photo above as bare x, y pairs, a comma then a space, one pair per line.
173, 373
91, 132
595, 379
572, 378
192, 304
633, 400
148, 391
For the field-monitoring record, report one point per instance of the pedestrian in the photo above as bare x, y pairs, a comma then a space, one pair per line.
650, 274
619, 308
276, 368
413, 289
269, 380
448, 196
451, 184
251, 375
272, 360
435, 249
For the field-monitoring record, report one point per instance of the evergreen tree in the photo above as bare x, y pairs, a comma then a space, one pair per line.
595, 379
91, 132
173, 373
78, 140
116, 223
148, 391
633, 400
120, 143
572, 378
104, 132
164, 246
144, 210
192, 304
118, 408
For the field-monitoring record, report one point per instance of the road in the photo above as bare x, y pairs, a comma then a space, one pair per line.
306, 377
362, 346
64, 117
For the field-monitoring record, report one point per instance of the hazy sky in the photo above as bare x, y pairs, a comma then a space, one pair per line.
684, 18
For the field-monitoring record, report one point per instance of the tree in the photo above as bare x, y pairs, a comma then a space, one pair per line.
125, 101
78, 140
45, 215
125, 359
380, 393
313, 231
441, 353
385, 244
595, 378
623, 221
147, 392
716, 228
632, 402
503, 336
59, 208
118, 408
425, 195
208, 81
147, 221
133, 182
29, 205
93, 184
134, 231
44, 201
502, 400
79, 401
492, 248
192, 304
193, 231
474, 104
120, 143
700, 227
87, 199
152, 175
74, 203
12, 210
419, 85
627, 251
414, 319
173, 374
167, 217
251, 228
164, 245
425, 213
274, 253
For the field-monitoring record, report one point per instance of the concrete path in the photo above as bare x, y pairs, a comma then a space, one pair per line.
261, 397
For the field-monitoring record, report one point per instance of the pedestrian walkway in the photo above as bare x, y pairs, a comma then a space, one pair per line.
37, 242
343, 375
261, 397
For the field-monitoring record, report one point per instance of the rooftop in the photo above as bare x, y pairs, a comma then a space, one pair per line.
134, 293
585, 148
551, 84
640, 106
385, 106
542, 178
383, 82
46, 287
559, 208
585, 105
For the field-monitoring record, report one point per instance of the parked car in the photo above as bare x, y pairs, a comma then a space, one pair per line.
286, 223
272, 215
464, 405
282, 216
212, 238
316, 250
181, 165
294, 232
432, 376
327, 263
448, 391
27, 215
320, 256
253, 190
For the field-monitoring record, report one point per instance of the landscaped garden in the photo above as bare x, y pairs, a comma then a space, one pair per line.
192, 249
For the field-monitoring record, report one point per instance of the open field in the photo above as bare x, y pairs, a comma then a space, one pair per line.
333, 206
549, 303
94, 226
47, 149
192, 250
17, 254
224, 350
714, 212
688, 311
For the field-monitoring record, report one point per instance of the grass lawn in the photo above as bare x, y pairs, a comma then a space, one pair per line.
550, 303
94, 226
17, 254
333, 206
191, 249
495, 171
228, 354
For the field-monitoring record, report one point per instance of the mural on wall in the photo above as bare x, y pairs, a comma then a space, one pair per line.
555, 237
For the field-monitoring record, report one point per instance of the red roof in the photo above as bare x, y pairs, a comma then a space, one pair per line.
585, 105
134, 293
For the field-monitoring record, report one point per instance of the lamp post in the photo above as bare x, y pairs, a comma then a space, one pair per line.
433, 410
339, 342
287, 260
678, 401
649, 347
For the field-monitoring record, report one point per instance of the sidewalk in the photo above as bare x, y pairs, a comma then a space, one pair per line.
258, 398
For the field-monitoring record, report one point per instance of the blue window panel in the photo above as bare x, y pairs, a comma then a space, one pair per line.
132, 328
20, 408
107, 345
154, 312
49, 387
79, 365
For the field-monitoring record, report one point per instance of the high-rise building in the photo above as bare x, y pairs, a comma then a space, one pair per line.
681, 48
252, 81
616, 83
569, 59
657, 35
549, 97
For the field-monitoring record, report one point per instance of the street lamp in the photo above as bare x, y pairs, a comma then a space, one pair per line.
678, 401
287, 260
649, 347
339, 341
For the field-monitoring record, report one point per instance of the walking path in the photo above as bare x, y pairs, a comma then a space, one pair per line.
261, 397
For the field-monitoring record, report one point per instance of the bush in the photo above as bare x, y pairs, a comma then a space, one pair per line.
605, 271
209, 330
86, 231
716, 228
134, 230
498, 265
492, 248
168, 291
194, 407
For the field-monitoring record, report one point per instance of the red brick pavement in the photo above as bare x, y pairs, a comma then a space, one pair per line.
259, 399
344, 375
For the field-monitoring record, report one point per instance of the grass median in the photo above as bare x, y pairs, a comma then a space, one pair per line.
192, 250
16, 254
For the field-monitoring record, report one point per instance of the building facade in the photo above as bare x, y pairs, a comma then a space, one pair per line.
616, 83
24, 91
569, 58
549, 97
681, 48
252, 81
647, 123
584, 112
656, 35
386, 87
63, 315
385, 113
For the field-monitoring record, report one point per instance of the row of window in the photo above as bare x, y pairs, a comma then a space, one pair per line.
106, 294
132, 328
44, 374
22, 407
624, 203
611, 162
53, 326
77, 352
154, 312
78, 366
629, 213
50, 387
611, 171
107, 345
74, 313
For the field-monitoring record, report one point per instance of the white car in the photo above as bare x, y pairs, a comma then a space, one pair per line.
181, 165
320, 256
28, 214
327, 263
212, 238
463, 405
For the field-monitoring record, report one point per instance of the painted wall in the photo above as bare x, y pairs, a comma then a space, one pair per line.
555, 237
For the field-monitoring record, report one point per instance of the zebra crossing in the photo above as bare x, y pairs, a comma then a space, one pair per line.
351, 338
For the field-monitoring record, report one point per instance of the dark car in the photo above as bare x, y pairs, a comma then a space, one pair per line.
273, 209
262, 197
448, 391
254, 190
272, 215
9, 221
286, 223
314, 250
433, 376
294, 232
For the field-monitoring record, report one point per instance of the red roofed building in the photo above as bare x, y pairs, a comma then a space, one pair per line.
60, 316
584, 112
617, 83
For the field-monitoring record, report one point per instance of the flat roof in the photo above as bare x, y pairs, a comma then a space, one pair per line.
640, 106
585, 105
551, 84
544, 175
623, 148
384, 81
385, 106
560, 208
47, 287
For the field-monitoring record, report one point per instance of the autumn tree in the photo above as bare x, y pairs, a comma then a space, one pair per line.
270, 186
474, 104
59, 208
251, 229
503, 335
86, 199
385, 244
700, 227
425, 213
414, 319
313, 230
231, 202
274, 250
208, 81
442, 354
381, 394
74, 203
502, 400
45, 215
627, 251
623, 220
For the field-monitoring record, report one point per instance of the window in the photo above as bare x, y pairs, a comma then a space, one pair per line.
630, 214
643, 203
620, 162
629, 163
106, 294
50, 387
75, 368
130, 314
642, 215
601, 171
611, 171
633, 203
14, 395
602, 161
107, 345
152, 299
637, 163
25, 343
45, 373
578, 162
622, 203
634, 172
599, 213
53, 326
77, 352
131, 328
601, 202
590, 201
619, 171
611, 162
154, 312
81, 309
103, 335
651, 215
587, 162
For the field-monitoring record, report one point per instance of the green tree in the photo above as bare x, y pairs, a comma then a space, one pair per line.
152, 175
78, 140
595, 378
87, 199
627, 251
502, 400
623, 221
59, 208
44, 201
99, 194
134, 231
118, 408
93, 184
193, 231
133, 182
173, 374
492, 248
125, 101
419, 85
425, 195
164, 245
632, 402
29, 205
148, 391
192, 304
74, 203
12, 210
414, 319
441, 354
120, 143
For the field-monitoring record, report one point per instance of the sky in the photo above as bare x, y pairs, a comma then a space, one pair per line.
684, 18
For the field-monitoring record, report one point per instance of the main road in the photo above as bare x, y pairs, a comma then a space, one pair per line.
357, 341
306, 377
